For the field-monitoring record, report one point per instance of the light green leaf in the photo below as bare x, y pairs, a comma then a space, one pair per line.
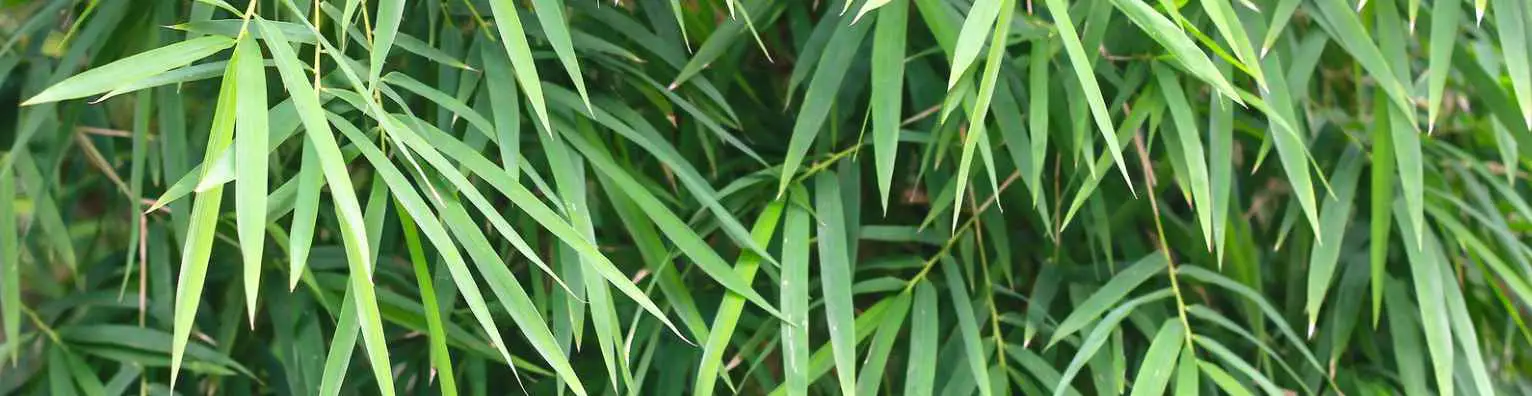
1189, 138
1510, 21
1444, 34
793, 290
1158, 362
305, 99
127, 70
390, 15
197, 249
550, 14
729, 310
976, 26
250, 151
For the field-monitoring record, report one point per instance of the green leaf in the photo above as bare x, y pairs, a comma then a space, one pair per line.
1223, 16
10, 264
441, 99
1382, 193
441, 361
1154, 370
514, 38
870, 378
390, 15
489, 265
1444, 34
127, 70
819, 98
1245, 368
1291, 148
198, 246
968, 327
980, 110
976, 26
1510, 21
1087, 77
1187, 382
729, 310
504, 100
1403, 330
197, 72
888, 42
1171, 37
1333, 219
1282, 15
550, 15
305, 214
684, 237
338, 360
793, 291
1189, 138
305, 99
919, 379
1225, 382
1108, 296
1346, 27
835, 277
1099, 334
1463, 330
250, 151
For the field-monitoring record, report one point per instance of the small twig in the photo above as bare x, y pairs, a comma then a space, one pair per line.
930, 262
1159, 228
95, 158
821, 165
103, 131
920, 116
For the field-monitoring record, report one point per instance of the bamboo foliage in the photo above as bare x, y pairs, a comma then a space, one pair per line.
765, 197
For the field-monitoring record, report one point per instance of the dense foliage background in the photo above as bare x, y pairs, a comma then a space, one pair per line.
765, 196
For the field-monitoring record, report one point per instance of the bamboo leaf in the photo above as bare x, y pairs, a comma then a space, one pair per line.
1154, 371
888, 88
1087, 77
1511, 21
250, 150
197, 249
835, 277
1444, 33
514, 38
794, 295
729, 310
1425, 271
10, 264
1174, 40
127, 70
968, 327
823, 89
1108, 296
1333, 219
1099, 334
305, 99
